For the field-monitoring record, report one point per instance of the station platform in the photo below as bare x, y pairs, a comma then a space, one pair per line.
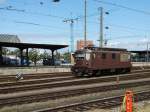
140, 63
53, 69
32, 70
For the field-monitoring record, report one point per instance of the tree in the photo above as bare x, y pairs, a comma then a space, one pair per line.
14, 52
57, 55
44, 55
66, 56
34, 56
5, 51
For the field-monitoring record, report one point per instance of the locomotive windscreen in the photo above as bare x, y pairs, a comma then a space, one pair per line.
82, 55
125, 57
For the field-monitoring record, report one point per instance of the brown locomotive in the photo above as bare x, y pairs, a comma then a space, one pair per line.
98, 61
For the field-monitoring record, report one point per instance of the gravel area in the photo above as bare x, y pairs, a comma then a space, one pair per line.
143, 106
35, 92
65, 101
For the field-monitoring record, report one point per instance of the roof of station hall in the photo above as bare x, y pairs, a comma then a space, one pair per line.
9, 38
32, 45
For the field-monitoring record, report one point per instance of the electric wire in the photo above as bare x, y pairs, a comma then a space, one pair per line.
124, 7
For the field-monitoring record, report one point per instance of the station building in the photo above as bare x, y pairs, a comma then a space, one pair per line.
80, 44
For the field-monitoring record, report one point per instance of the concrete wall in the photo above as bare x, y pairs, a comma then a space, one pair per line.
13, 71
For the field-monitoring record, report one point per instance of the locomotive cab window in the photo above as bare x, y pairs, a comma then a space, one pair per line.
103, 55
113, 56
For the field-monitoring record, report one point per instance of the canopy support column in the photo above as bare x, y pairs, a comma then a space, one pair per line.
1, 57
21, 56
53, 60
27, 56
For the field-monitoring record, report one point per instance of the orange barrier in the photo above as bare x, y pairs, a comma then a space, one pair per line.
128, 102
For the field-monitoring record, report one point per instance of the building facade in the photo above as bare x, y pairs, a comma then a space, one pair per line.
80, 44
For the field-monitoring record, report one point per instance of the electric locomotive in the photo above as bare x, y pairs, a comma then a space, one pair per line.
99, 61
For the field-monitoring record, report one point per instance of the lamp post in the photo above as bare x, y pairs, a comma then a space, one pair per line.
55, 0
85, 25
147, 52
101, 36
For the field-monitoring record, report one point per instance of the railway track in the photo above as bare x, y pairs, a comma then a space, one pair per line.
64, 82
37, 96
99, 103
48, 78
11, 78
35, 81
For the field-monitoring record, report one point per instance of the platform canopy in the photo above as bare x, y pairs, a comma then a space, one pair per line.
31, 45
140, 52
23, 46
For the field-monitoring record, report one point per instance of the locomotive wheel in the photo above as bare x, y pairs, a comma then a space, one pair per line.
79, 74
128, 70
99, 73
90, 73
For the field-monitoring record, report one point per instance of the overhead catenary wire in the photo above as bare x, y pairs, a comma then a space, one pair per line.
41, 25
10, 8
121, 26
28, 12
80, 17
125, 36
124, 7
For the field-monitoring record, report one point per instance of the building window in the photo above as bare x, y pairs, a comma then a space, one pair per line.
103, 55
113, 56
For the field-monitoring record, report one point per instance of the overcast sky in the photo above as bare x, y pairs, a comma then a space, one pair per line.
41, 21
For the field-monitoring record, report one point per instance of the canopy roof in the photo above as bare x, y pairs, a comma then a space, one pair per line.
32, 45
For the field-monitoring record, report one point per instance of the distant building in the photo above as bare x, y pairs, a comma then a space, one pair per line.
8, 59
140, 56
9, 38
80, 44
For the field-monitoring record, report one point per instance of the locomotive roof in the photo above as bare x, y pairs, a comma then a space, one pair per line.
105, 49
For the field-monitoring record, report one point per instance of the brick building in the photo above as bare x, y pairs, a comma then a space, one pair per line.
80, 44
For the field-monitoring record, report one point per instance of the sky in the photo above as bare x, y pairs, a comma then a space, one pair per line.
41, 21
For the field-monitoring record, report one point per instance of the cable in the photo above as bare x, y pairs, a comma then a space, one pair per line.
36, 24
124, 7
127, 36
27, 12
9, 8
120, 26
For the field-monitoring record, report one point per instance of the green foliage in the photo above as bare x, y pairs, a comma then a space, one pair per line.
5, 51
44, 55
66, 56
57, 56
15, 52
34, 56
